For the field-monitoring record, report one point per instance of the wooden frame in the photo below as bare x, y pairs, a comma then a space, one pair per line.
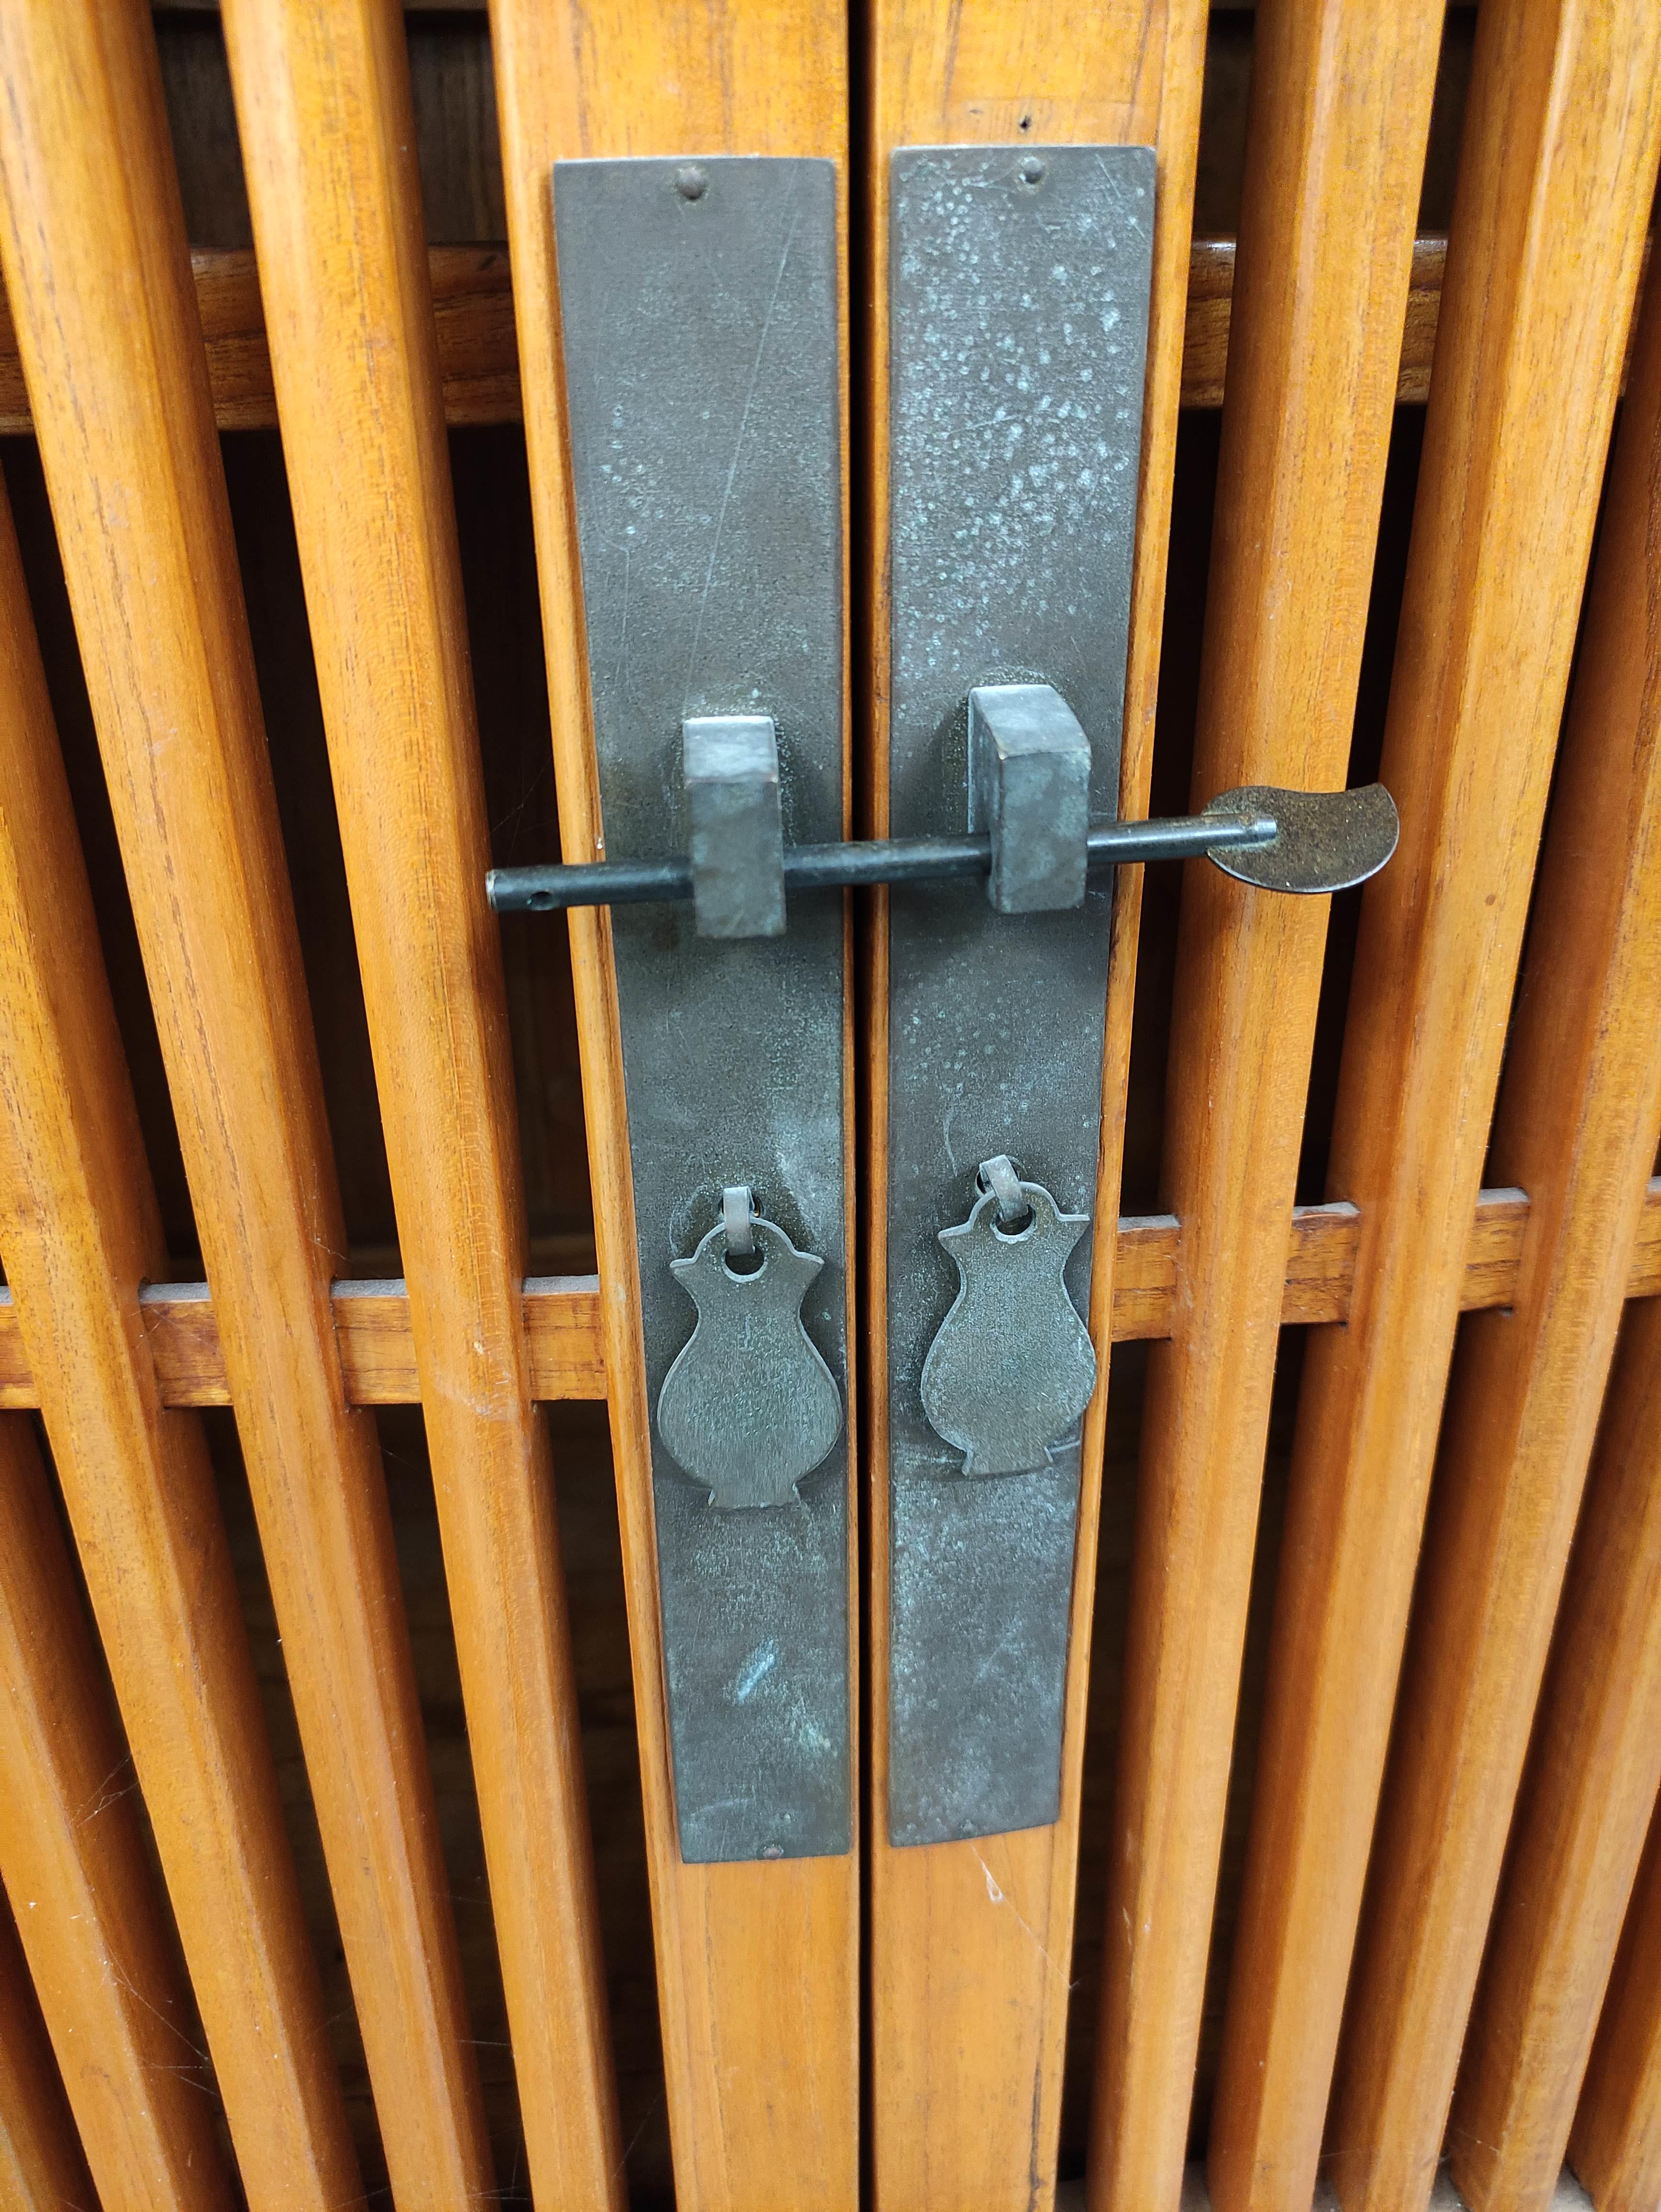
1563, 114
98, 280
1451, 1862
965, 1933
1340, 110
764, 2095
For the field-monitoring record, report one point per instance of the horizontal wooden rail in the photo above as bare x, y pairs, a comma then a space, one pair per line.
478, 349
562, 1326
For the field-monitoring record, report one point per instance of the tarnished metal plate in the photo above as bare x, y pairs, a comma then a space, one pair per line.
698, 305
1018, 338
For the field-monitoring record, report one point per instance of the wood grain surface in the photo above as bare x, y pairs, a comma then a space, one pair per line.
964, 1934
1577, 1839
1577, 1125
1557, 170
328, 147
1340, 99
1616, 2146
757, 1964
95, 265
72, 1858
80, 1231
42, 2166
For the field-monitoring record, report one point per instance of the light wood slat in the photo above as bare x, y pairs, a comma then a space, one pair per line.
478, 363
72, 1859
1616, 2145
1576, 1124
328, 148
563, 1328
1340, 100
96, 268
79, 1231
757, 1965
966, 1935
560, 1318
42, 2168
1559, 164
562, 1322
1578, 1832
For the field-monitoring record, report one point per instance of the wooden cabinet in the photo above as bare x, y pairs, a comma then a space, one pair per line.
337, 1787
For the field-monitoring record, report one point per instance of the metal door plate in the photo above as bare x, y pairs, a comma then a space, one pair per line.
1018, 346
699, 306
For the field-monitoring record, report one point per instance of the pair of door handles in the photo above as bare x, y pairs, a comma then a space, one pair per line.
1012, 1367
702, 394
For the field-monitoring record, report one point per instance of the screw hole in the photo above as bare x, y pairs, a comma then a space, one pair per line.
541, 902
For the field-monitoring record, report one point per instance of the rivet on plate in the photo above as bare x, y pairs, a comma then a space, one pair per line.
1031, 170
690, 181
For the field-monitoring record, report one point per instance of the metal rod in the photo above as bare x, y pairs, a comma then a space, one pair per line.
876, 861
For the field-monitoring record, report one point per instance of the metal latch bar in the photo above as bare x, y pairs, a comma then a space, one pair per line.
924, 859
873, 860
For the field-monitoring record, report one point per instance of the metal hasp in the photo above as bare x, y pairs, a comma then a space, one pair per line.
1018, 345
699, 313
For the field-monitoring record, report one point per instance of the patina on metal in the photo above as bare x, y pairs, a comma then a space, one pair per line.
1018, 328
1013, 1366
749, 1407
698, 309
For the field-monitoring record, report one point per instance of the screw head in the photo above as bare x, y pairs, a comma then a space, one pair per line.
772, 1850
690, 181
1031, 170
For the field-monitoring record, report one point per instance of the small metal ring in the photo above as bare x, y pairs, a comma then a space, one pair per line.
737, 1214
999, 1176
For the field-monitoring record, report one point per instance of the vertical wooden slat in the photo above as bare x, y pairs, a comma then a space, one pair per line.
73, 1863
1341, 108
1559, 165
971, 1943
757, 1965
79, 1232
1579, 1834
328, 142
42, 2168
1616, 2146
1577, 1125
98, 278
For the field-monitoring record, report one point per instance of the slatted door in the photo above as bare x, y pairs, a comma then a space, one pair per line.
338, 1825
